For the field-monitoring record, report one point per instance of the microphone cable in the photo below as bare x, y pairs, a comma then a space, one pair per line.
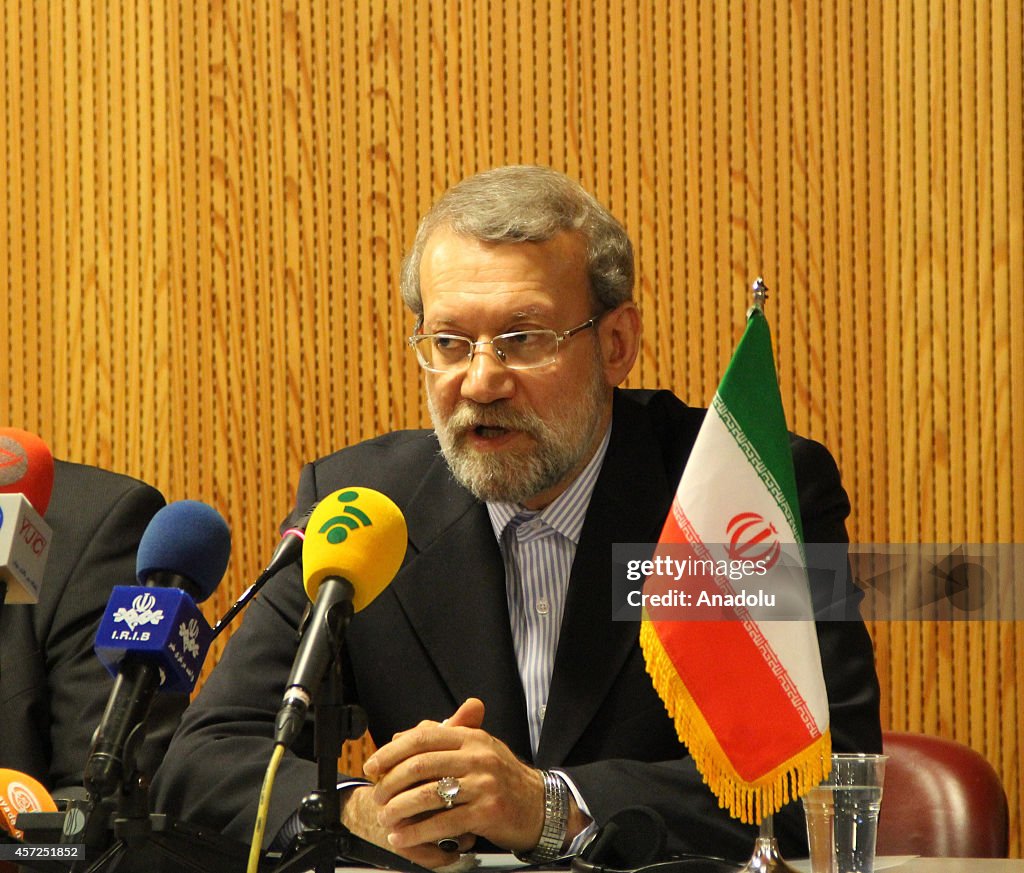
263, 808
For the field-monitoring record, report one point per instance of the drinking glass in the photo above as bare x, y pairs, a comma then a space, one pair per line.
842, 815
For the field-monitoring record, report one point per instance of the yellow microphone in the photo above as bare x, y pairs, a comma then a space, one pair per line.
355, 543
358, 534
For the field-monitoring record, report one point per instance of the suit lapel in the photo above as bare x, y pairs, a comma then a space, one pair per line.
452, 590
630, 500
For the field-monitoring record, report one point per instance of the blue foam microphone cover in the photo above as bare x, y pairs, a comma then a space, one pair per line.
188, 538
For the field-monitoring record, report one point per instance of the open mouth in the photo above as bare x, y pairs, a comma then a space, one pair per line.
488, 432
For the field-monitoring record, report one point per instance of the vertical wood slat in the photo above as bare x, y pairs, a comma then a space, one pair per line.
205, 208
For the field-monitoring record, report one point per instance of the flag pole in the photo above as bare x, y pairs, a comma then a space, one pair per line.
766, 857
760, 292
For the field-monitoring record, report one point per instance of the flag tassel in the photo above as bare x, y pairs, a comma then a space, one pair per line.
747, 801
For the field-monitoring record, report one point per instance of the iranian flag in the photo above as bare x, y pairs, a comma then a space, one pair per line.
735, 657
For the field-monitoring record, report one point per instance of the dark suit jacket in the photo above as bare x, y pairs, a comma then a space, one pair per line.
52, 686
440, 633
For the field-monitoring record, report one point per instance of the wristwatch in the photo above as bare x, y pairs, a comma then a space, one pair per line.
556, 822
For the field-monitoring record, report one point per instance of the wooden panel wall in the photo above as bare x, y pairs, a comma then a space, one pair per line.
205, 206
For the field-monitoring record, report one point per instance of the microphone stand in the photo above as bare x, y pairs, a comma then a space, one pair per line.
120, 834
325, 839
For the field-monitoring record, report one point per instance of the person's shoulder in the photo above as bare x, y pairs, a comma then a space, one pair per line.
809, 451
675, 424
392, 462
397, 443
656, 424
659, 402
818, 479
666, 412
97, 518
660, 410
75, 484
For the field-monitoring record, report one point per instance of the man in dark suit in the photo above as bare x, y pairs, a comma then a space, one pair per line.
53, 688
507, 706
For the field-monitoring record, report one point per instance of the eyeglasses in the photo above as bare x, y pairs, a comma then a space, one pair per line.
519, 350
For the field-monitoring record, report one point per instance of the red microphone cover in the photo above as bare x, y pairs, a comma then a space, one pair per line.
26, 467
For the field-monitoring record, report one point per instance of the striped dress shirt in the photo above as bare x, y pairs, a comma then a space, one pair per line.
538, 548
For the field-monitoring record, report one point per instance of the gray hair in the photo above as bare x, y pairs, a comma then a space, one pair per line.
528, 204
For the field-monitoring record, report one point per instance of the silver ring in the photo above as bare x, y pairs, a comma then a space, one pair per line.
447, 789
448, 844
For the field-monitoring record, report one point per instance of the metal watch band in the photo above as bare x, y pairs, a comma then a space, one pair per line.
556, 822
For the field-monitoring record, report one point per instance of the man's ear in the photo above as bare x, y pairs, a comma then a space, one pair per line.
619, 333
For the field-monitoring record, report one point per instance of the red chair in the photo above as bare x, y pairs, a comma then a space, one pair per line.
941, 798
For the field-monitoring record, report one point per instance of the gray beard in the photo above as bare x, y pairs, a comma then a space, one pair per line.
515, 477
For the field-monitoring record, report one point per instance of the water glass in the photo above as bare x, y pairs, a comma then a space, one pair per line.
842, 815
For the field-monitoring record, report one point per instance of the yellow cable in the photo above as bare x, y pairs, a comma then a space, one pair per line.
263, 808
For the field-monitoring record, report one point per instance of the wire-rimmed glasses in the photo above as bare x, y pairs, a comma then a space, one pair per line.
517, 350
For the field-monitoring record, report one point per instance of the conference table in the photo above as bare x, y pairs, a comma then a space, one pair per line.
901, 864
898, 865
913, 864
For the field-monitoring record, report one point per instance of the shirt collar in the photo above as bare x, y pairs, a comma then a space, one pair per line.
565, 514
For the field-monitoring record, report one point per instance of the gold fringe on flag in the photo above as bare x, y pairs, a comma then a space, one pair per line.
747, 801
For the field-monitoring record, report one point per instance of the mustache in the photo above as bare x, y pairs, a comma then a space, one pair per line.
470, 414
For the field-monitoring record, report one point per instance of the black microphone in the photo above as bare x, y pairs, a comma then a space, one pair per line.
633, 837
633, 840
154, 636
288, 551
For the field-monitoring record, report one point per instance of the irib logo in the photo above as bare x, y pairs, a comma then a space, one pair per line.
142, 612
337, 528
189, 634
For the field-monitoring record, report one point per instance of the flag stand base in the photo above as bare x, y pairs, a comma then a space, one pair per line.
766, 857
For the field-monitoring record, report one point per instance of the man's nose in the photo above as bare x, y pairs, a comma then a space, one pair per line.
486, 379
